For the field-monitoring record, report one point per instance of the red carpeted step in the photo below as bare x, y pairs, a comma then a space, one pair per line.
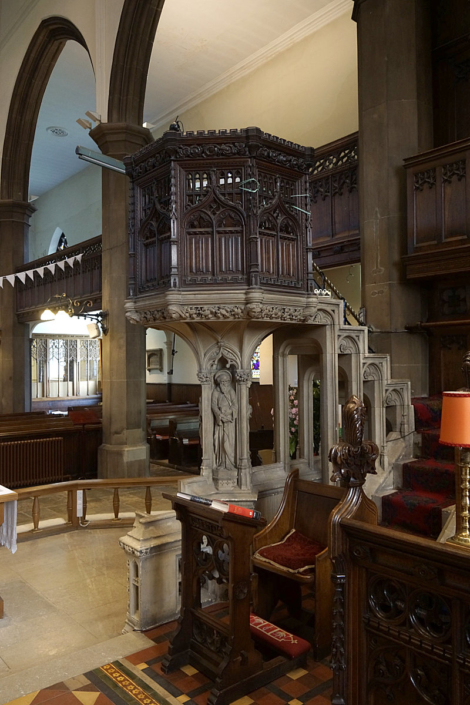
419, 513
429, 476
427, 412
431, 448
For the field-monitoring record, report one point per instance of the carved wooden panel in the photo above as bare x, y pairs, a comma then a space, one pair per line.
438, 211
82, 281
407, 620
228, 208
335, 203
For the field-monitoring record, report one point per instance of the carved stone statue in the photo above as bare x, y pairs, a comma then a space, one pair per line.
225, 410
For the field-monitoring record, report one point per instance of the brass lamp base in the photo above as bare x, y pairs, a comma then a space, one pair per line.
462, 498
461, 539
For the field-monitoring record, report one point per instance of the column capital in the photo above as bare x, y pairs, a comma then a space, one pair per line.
18, 211
118, 139
243, 377
204, 376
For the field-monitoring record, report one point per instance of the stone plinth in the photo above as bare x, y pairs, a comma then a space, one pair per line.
153, 548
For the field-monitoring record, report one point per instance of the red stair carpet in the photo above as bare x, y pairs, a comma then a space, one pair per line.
428, 483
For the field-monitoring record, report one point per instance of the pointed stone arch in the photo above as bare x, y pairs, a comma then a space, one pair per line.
33, 77
132, 52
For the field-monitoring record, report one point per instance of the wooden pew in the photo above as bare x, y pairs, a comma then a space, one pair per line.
159, 420
185, 445
47, 449
305, 507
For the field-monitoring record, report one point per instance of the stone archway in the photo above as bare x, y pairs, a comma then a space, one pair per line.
15, 211
132, 52
33, 76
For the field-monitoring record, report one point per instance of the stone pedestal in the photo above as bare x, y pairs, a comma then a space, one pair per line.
125, 452
153, 548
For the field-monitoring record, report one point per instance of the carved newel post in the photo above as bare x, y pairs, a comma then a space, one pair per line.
352, 460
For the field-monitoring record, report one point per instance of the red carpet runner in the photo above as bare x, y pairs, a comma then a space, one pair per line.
428, 483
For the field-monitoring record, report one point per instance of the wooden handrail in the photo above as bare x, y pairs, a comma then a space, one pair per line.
72, 487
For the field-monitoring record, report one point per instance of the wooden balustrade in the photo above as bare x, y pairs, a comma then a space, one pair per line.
84, 486
438, 194
80, 282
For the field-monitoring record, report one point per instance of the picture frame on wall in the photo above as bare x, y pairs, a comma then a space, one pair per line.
155, 360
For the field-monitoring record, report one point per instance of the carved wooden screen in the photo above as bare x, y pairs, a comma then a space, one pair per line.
226, 208
214, 230
153, 240
407, 618
281, 201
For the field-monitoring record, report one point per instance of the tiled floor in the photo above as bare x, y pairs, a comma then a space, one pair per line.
65, 606
139, 678
66, 594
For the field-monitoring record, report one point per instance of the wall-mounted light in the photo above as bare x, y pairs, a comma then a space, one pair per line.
86, 124
88, 155
61, 307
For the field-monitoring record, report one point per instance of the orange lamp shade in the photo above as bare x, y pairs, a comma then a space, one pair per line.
455, 420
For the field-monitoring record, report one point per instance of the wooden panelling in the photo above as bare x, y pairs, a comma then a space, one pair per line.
262, 402
180, 393
401, 618
438, 194
335, 203
82, 281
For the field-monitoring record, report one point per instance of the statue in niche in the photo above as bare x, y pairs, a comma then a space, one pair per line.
225, 410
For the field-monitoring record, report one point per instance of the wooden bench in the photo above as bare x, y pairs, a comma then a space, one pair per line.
185, 446
305, 509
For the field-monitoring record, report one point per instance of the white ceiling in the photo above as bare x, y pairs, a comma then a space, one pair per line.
199, 47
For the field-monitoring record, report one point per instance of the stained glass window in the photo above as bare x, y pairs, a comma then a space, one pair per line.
255, 371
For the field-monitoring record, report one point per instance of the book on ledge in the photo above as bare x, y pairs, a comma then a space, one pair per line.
222, 506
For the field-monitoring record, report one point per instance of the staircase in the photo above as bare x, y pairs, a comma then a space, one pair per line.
428, 484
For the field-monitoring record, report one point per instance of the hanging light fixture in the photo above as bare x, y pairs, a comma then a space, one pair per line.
62, 308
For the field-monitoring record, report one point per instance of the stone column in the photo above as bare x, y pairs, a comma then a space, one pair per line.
395, 121
15, 358
125, 452
243, 378
207, 426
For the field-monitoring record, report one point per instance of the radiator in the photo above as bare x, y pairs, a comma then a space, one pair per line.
29, 463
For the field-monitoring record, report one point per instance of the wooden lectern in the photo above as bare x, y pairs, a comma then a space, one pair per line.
219, 544
6, 495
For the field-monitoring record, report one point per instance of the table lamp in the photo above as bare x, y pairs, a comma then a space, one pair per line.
455, 431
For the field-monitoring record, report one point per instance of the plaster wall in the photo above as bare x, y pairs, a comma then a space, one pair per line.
282, 96
157, 339
347, 280
185, 366
74, 206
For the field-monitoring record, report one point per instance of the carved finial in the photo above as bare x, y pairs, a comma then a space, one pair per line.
466, 368
353, 458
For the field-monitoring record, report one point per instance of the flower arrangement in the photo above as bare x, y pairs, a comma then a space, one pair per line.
293, 420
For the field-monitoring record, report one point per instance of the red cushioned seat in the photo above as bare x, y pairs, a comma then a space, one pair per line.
295, 553
288, 644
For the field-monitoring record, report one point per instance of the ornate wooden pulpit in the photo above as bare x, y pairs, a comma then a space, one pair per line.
217, 545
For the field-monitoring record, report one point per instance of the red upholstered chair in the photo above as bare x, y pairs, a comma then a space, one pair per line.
293, 551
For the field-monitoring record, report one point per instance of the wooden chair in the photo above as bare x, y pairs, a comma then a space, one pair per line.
305, 508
